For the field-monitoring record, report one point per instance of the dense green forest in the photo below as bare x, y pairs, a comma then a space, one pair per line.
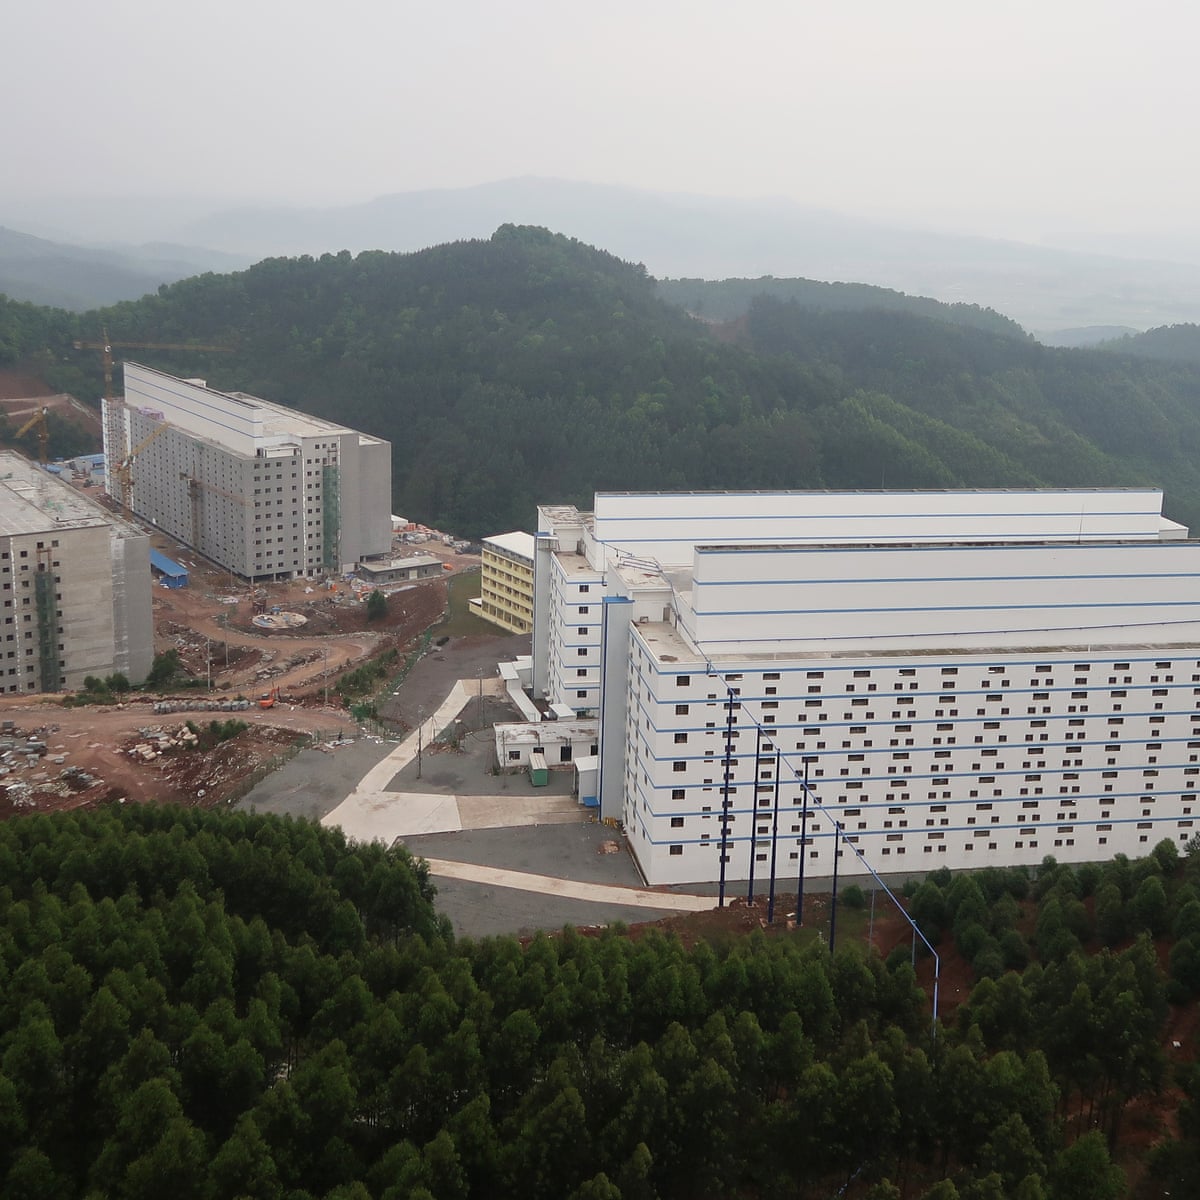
220, 1005
1170, 343
728, 299
529, 368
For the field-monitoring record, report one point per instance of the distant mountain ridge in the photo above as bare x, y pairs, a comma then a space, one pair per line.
676, 235
81, 277
686, 236
530, 368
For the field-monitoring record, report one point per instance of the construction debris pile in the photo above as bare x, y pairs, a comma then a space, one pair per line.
26, 784
156, 742
164, 707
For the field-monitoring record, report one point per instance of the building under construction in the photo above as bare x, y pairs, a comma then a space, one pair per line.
75, 581
264, 491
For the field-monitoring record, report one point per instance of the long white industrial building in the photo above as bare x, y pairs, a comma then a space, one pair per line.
968, 677
262, 490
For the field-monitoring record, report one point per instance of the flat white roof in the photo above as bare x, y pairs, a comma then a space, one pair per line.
396, 564
516, 542
270, 419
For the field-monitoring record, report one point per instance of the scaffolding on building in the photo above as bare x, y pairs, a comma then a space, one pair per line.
330, 517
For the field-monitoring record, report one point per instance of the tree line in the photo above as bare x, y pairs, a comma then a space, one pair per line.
210, 1005
528, 368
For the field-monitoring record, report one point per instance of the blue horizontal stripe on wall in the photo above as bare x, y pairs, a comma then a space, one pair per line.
830, 581
807, 612
903, 514
936, 664
1070, 541
187, 400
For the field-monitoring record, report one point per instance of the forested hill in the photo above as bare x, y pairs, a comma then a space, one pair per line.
728, 299
530, 368
211, 1005
1168, 343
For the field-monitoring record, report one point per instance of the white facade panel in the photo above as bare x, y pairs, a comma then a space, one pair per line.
791, 599
261, 490
970, 678
574, 650
665, 527
234, 423
952, 761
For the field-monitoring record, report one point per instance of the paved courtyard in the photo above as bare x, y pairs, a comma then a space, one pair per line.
506, 857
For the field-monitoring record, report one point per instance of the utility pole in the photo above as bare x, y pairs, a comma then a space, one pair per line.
837, 841
420, 723
725, 797
775, 839
803, 851
754, 812
325, 672
208, 657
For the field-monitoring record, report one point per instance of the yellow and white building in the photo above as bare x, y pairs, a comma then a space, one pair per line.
506, 591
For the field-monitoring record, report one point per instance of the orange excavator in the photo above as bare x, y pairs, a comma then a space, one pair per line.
268, 699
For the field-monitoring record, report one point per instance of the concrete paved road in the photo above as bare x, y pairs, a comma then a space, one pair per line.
506, 857
604, 887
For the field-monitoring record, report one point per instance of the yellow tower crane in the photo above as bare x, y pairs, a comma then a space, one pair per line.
122, 472
114, 430
43, 433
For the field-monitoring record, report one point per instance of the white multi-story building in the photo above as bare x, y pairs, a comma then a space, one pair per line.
968, 678
262, 490
74, 586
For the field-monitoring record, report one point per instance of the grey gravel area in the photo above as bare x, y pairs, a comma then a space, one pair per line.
565, 851
478, 910
428, 683
573, 851
314, 782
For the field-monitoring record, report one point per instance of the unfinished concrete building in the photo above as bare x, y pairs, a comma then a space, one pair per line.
75, 582
264, 491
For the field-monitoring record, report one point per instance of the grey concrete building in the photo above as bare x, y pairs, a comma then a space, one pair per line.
75, 582
395, 570
262, 490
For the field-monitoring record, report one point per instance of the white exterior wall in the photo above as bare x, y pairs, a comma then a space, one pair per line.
576, 616
797, 599
238, 425
973, 679
665, 526
931, 761
244, 481
562, 743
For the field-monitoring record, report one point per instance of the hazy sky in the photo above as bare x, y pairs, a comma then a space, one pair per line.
1004, 118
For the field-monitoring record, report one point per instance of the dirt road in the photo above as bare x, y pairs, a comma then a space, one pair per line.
97, 741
